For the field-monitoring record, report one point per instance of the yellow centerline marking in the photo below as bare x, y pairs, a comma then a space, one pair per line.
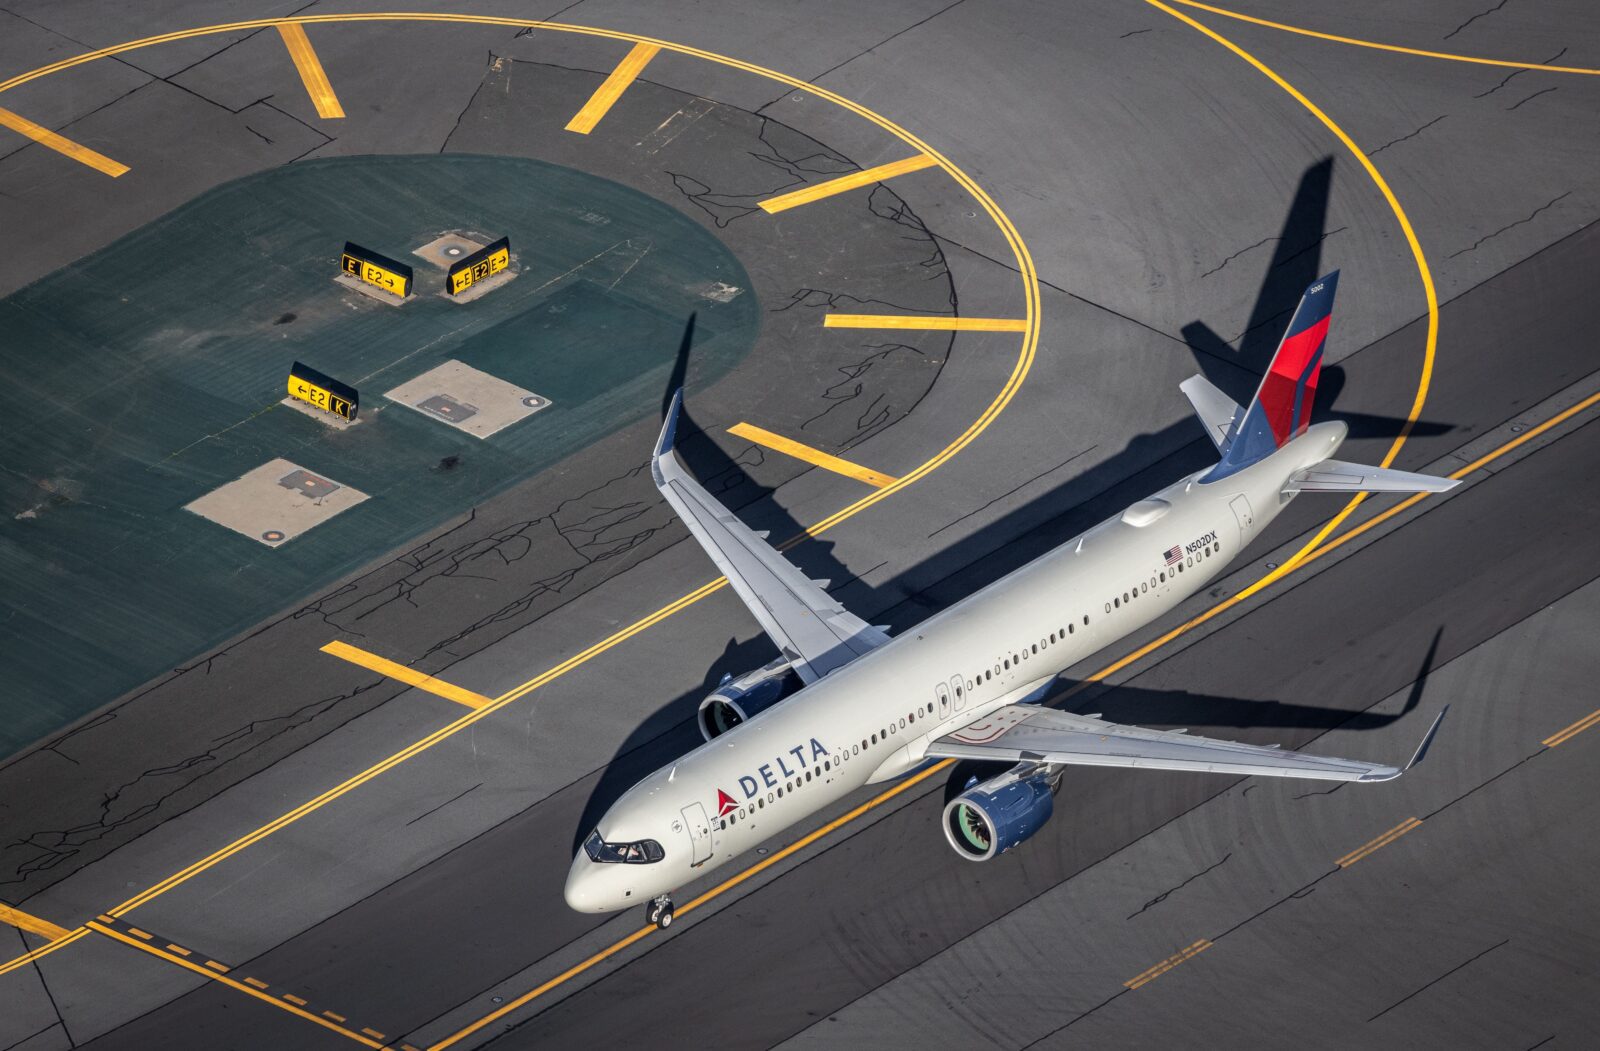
607, 94
1383, 47
845, 183
249, 989
1168, 964
28, 957
931, 322
18, 918
409, 676
311, 71
61, 144
1380, 842
750, 432
1572, 731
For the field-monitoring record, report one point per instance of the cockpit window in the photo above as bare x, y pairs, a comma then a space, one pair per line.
644, 852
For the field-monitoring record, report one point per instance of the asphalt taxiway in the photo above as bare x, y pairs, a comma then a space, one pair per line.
273, 847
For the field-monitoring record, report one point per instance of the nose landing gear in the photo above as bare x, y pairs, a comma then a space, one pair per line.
659, 911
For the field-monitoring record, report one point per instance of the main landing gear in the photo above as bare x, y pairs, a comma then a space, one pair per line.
659, 912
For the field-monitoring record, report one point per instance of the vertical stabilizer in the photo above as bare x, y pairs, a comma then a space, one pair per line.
1281, 409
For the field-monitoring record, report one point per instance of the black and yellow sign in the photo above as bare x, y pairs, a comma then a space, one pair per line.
324, 392
484, 263
377, 270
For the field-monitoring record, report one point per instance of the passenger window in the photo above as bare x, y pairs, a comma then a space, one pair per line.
1069, 629
891, 728
1052, 636
1036, 649
808, 775
856, 749
912, 717
874, 738
1143, 586
902, 724
827, 764
1163, 577
1086, 620
780, 793
1007, 662
1189, 561
958, 694
1117, 602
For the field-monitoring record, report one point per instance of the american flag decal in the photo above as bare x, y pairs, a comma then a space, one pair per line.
1173, 555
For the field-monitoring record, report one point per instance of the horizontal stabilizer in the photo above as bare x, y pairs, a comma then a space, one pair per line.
1216, 410
1336, 476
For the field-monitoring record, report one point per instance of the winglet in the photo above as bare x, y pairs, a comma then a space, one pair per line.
1427, 739
669, 426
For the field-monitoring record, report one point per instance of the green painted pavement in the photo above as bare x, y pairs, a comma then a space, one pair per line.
149, 374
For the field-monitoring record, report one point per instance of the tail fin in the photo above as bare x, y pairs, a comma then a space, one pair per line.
1281, 409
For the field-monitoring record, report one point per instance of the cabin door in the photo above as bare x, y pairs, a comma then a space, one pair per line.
1241, 512
699, 829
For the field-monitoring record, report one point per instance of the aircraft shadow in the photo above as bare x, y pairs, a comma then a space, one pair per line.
1147, 463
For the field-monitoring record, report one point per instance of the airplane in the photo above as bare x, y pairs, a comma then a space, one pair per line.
965, 683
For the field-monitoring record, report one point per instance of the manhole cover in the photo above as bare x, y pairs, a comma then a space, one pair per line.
533, 401
272, 536
308, 483
448, 408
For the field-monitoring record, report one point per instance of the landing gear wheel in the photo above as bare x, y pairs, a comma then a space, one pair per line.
659, 912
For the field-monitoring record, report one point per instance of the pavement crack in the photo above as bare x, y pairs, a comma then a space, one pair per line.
1403, 138
1517, 73
867, 51
1240, 252
1012, 491
1528, 219
446, 803
1530, 98
1439, 979
1135, 32
1474, 18
1164, 895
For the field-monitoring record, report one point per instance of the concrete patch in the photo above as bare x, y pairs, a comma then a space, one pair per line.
467, 399
276, 502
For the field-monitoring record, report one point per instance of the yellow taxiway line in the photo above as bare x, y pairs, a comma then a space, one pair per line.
61, 144
409, 676
816, 457
845, 183
43, 928
1168, 964
1380, 842
1572, 731
249, 986
311, 71
607, 94
1353, 41
929, 322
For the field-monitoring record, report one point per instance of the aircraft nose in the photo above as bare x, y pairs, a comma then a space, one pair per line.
580, 889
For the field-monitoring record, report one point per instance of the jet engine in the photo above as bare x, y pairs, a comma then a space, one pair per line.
993, 816
739, 700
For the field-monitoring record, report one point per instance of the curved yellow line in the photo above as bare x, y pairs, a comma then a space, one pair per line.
1025, 266
1019, 372
1224, 12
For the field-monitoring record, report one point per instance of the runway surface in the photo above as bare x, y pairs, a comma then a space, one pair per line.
240, 855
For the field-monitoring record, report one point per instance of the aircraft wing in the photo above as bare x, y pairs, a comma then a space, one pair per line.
811, 630
1045, 735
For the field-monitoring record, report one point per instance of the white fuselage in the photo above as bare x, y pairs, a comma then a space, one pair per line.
873, 718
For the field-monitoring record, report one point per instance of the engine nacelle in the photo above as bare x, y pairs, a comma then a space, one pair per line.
990, 818
742, 699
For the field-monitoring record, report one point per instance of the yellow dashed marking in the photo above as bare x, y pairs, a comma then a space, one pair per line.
930, 322
22, 920
257, 982
180, 950
137, 933
220, 968
409, 676
1573, 730
293, 999
330, 1014
311, 71
845, 183
778, 442
607, 94
61, 144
